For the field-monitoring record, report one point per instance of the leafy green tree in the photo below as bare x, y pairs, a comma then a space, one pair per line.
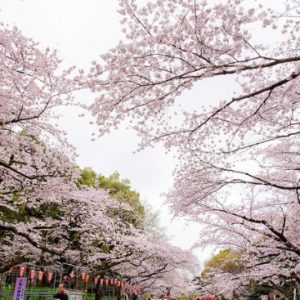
225, 261
119, 189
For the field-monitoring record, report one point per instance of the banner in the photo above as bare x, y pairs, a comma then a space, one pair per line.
20, 288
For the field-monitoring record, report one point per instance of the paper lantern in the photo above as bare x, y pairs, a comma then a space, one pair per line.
49, 276
96, 280
83, 276
40, 275
32, 274
101, 281
87, 278
22, 271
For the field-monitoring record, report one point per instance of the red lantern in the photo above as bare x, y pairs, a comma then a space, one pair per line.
101, 281
83, 276
49, 276
107, 281
87, 278
40, 276
22, 271
32, 274
96, 280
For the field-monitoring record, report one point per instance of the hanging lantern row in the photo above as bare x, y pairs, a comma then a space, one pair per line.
104, 281
112, 282
40, 275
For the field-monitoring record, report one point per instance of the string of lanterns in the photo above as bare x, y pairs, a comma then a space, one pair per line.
40, 275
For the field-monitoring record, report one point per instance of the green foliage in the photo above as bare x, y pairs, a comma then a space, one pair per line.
24, 213
229, 261
187, 296
119, 189
258, 289
226, 260
87, 178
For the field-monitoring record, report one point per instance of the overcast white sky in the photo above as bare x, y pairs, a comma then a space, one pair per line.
82, 30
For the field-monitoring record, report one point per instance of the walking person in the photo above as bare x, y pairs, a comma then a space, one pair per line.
61, 293
98, 291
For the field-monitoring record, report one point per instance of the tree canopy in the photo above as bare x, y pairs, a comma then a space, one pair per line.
238, 171
51, 212
238, 167
117, 188
225, 260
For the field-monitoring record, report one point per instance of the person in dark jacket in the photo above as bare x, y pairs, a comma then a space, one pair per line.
61, 293
98, 291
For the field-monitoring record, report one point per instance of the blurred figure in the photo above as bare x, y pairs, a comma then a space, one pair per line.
61, 293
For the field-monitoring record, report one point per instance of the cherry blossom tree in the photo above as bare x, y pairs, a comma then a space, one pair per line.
46, 216
157, 265
33, 173
238, 171
41, 209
